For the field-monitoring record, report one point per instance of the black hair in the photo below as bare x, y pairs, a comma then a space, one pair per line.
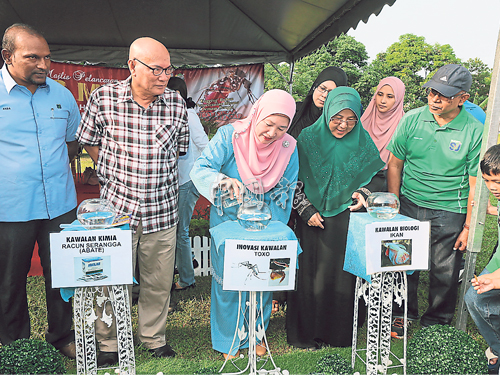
490, 164
9, 36
178, 84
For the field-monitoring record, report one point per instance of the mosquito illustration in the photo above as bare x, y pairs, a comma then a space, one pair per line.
254, 270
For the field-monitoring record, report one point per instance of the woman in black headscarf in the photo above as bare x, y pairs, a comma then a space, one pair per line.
310, 109
306, 114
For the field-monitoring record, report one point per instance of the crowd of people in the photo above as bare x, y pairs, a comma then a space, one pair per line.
153, 160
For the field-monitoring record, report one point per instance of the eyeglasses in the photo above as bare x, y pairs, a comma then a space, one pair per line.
338, 121
158, 71
323, 90
448, 99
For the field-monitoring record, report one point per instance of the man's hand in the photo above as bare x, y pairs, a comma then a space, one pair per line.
461, 242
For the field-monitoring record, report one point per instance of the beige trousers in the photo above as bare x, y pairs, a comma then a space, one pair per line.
155, 253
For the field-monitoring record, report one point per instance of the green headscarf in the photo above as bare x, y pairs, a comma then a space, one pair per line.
332, 168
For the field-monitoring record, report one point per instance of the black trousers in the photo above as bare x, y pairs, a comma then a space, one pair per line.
17, 241
444, 265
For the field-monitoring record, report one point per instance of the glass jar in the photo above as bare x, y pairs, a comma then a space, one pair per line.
96, 213
253, 213
382, 205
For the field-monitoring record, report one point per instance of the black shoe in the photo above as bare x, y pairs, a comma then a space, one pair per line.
195, 263
163, 351
107, 359
69, 350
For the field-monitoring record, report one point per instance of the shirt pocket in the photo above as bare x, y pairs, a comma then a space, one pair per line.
166, 137
54, 123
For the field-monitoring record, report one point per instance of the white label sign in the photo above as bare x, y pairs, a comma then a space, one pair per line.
259, 265
91, 258
397, 246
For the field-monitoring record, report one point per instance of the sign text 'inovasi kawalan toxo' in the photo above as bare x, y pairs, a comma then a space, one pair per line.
259, 265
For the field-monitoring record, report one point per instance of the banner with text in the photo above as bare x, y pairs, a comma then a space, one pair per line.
81, 80
259, 265
222, 95
91, 258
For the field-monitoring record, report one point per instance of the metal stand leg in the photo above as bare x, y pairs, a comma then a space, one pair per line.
379, 295
254, 333
84, 318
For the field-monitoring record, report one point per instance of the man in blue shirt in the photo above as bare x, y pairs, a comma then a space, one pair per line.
38, 122
475, 111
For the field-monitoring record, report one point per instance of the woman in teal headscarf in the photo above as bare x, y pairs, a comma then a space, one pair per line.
337, 159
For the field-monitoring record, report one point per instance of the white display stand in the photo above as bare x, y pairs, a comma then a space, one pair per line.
107, 272
255, 364
379, 295
254, 263
85, 317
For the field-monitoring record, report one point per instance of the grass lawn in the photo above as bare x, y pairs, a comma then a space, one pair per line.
188, 329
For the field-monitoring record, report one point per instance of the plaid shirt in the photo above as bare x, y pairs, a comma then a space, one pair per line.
137, 157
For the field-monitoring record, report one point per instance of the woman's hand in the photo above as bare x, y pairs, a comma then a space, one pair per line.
234, 187
316, 221
361, 201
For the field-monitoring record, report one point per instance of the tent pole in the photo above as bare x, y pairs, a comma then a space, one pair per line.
289, 82
481, 197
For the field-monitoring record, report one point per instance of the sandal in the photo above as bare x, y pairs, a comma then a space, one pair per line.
261, 349
492, 367
229, 357
177, 286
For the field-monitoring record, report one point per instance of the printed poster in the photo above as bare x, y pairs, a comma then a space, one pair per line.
397, 246
226, 94
259, 265
91, 258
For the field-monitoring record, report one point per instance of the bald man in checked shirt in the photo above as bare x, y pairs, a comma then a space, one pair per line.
134, 130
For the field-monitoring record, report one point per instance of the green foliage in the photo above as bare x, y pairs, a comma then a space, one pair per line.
26, 356
334, 364
481, 80
444, 350
344, 52
411, 59
199, 227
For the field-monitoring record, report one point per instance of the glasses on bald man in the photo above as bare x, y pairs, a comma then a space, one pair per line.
158, 71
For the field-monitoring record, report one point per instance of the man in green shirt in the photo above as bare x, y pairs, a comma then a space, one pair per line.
438, 147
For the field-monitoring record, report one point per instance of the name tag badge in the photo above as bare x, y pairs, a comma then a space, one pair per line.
455, 145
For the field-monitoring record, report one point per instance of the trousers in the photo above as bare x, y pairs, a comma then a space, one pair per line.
188, 196
444, 265
17, 241
155, 255
484, 309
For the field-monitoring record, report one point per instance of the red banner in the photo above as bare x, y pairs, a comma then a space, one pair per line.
224, 95
81, 80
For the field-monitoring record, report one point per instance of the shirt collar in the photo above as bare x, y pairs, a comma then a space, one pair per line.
457, 123
10, 83
125, 93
